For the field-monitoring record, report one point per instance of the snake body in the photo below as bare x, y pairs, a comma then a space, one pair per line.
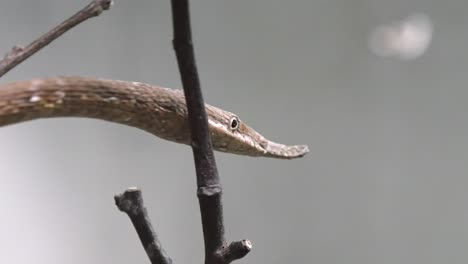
157, 110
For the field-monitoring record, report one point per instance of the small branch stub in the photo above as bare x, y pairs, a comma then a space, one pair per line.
131, 203
236, 250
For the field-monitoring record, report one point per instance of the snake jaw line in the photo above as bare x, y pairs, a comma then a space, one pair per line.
244, 140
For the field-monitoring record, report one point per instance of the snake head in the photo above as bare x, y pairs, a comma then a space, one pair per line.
230, 134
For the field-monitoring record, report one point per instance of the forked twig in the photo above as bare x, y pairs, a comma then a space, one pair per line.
18, 54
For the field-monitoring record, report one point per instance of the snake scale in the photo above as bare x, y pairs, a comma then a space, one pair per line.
157, 110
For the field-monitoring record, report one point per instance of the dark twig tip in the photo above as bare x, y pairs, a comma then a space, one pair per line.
236, 250
106, 4
99, 6
130, 202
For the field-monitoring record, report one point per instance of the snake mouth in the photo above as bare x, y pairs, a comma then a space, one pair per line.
280, 151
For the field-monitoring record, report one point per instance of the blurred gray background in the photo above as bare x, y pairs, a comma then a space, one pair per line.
385, 181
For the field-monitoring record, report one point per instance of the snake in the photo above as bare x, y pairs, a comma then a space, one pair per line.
157, 110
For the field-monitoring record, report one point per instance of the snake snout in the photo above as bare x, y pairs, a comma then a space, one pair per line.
281, 151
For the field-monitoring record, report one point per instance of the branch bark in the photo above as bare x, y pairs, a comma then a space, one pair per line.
209, 189
18, 54
131, 203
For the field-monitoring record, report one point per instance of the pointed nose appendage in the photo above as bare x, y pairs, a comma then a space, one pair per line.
281, 151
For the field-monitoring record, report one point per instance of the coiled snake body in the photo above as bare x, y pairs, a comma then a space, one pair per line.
157, 110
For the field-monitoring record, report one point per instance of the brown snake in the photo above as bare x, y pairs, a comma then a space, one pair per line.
157, 110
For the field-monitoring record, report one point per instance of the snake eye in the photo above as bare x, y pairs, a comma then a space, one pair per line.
234, 123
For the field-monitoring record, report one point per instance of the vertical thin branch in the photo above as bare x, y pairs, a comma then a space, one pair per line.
207, 174
209, 188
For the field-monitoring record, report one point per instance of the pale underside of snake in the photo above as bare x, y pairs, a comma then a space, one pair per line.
157, 110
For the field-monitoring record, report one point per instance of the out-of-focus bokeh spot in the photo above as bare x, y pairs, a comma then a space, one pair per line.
406, 39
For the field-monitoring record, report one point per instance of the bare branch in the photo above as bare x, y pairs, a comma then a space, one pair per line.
131, 202
209, 187
18, 54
